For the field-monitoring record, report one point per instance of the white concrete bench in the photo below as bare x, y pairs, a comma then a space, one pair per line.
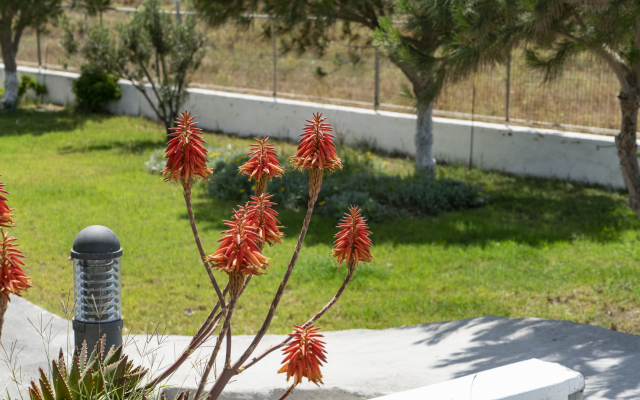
526, 380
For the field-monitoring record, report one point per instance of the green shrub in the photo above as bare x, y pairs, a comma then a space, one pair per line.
361, 183
93, 89
29, 82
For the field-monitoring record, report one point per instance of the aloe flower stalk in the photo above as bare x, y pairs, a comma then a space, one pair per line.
186, 160
186, 155
6, 220
239, 254
304, 356
352, 236
260, 214
13, 280
352, 242
316, 152
262, 165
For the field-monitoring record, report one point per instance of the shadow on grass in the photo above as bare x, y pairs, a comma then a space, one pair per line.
531, 211
134, 147
32, 122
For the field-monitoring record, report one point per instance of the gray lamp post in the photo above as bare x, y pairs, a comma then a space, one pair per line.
97, 291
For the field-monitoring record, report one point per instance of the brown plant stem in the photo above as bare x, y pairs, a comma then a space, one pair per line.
287, 392
306, 324
196, 236
261, 186
315, 184
214, 353
198, 339
227, 360
4, 304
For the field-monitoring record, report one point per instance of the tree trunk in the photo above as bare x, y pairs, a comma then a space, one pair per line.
425, 162
10, 97
626, 146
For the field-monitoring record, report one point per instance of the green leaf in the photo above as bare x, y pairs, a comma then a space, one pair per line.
60, 386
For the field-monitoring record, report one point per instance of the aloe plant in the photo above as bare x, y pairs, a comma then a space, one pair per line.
88, 377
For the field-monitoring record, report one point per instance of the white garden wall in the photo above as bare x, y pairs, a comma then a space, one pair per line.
518, 150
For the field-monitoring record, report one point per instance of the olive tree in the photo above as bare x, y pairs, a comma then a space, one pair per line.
152, 51
15, 17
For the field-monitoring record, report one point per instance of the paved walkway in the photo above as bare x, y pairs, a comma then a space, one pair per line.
368, 363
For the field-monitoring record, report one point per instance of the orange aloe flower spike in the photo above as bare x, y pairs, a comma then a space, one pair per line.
13, 280
316, 148
262, 216
263, 163
352, 241
5, 212
304, 356
186, 155
239, 252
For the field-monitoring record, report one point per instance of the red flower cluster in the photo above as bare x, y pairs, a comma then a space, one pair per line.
186, 155
5, 216
262, 216
352, 242
13, 280
316, 148
264, 163
238, 251
303, 356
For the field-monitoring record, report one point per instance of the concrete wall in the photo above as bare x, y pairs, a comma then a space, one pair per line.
518, 150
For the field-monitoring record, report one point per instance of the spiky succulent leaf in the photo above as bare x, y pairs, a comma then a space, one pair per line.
61, 364
98, 381
34, 392
83, 356
86, 384
131, 379
93, 361
113, 356
47, 393
74, 375
60, 386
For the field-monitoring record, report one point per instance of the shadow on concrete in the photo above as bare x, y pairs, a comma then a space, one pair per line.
609, 360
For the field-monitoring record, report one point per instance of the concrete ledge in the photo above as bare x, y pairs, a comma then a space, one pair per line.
518, 150
526, 380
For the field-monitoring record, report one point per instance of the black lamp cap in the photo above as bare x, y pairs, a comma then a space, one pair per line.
96, 242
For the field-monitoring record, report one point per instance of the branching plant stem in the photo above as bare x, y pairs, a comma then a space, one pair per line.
4, 304
287, 392
315, 184
214, 353
194, 228
306, 324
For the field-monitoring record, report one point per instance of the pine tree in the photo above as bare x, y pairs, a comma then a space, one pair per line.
412, 47
555, 31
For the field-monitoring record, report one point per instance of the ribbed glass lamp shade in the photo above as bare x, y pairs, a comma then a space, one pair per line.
97, 293
97, 290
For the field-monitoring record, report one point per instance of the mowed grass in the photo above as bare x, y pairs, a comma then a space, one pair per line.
541, 248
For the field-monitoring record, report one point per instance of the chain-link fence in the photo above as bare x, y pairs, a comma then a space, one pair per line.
247, 59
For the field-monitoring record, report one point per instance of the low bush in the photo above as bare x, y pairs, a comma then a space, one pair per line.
29, 82
361, 182
94, 88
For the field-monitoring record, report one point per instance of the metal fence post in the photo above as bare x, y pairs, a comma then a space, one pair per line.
508, 88
178, 15
376, 94
39, 51
275, 57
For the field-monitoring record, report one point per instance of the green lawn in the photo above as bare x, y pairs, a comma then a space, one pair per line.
541, 248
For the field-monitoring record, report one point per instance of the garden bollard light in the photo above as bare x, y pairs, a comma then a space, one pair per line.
97, 291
